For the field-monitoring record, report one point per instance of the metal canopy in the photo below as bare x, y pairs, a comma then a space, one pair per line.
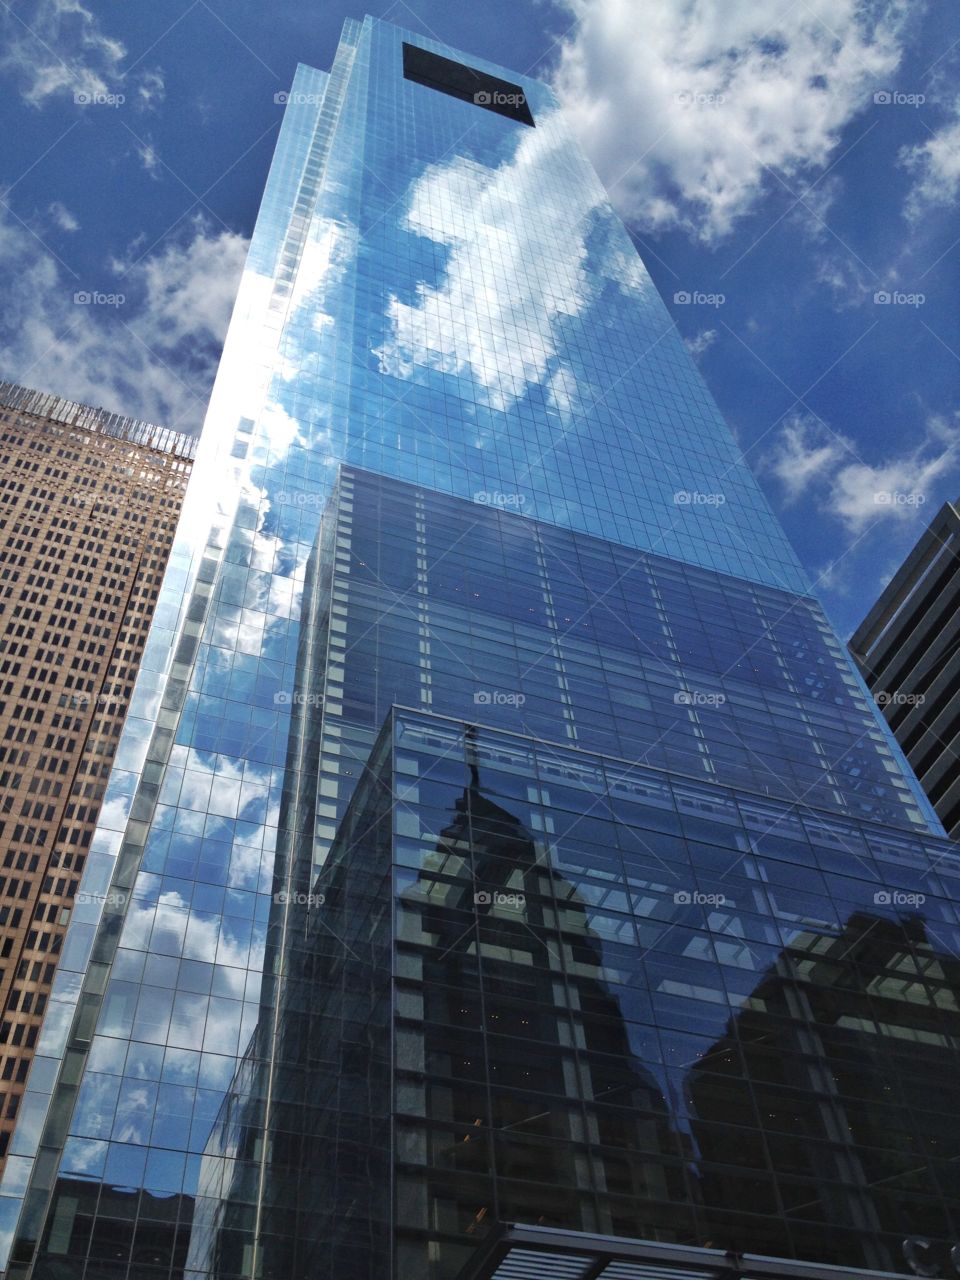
517, 1252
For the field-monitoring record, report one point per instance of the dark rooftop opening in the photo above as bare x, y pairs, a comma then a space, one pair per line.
466, 83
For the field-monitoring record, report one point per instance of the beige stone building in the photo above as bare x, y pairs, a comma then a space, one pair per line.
89, 503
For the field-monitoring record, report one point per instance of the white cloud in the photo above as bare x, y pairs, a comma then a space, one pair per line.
85, 1154
936, 166
686, 107
58, 48
818, 200
153, 355
193, 286
62, 217
455, 326
833, 576
804, 453
851, 281
476, 319
809, 459
149, 158
701, 343
151, 90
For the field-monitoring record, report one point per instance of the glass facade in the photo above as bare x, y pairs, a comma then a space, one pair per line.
457, 460
473, 611
532, 984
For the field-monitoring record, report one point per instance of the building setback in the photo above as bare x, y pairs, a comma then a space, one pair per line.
908, 648
88, 505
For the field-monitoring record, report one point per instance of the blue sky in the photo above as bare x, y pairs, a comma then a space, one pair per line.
791, 168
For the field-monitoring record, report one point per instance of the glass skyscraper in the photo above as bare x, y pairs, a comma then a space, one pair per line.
504, 870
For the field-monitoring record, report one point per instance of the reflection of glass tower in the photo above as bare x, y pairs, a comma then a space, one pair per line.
487, 1012
628, 724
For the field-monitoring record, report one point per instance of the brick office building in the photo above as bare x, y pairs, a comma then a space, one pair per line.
89, 503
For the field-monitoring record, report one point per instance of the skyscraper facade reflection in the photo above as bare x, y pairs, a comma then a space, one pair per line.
494, 781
